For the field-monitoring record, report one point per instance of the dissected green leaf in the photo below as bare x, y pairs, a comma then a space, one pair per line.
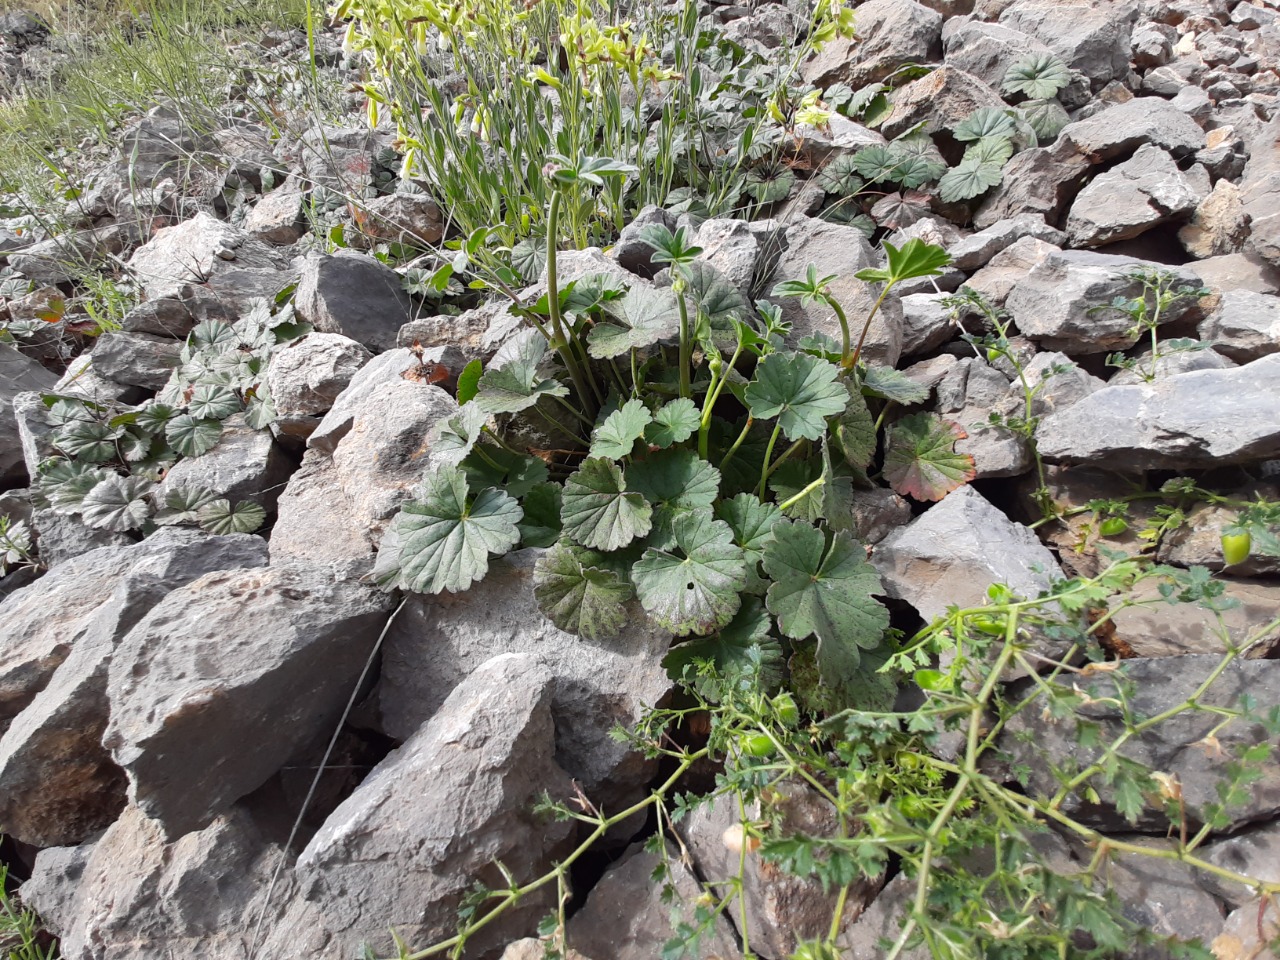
455, 437
730, 648
856, 431
890, 384
861, 687
1037, 76
515, 384
920, 459
913, 259
640, 319
219, 516
578, 595
674, 482
446, 537
117, 503
210, 402
825, 591
598, 511
694, 587
617, 436
541, 524
192, 437
675, 422
800, 390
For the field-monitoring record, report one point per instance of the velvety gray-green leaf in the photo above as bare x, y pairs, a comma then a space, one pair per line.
597, 509
617, 436
578, 595
695, 587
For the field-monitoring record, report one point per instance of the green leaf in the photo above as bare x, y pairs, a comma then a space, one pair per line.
1037, 76
192, 437
798, 389
211, 402
862, 687
914, 259
446, 538
878, 163
598, 511
840, 177
995, 150
856, 431
890, 384
117, 503
528, 257
219, 516
541, 524
769, 182
469, 382
674, 482
696, 587
259, 408
87, 440
212, 335
825, 592
578, 595
674, 423
135, 445
617, 436
153, 416
456, 436
970, 179
181, 504
1046, 118
920, 459
515, 384
668, 247
65, 483
640, 319
986, 122
515, 473
752, 524
730, 649
715, 298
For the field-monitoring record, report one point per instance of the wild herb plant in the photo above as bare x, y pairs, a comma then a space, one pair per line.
1161, 291
21, 937
16, 548
667, 482
925, 791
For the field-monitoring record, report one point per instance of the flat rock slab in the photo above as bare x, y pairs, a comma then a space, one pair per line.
1198, 419
354, 295
226, 678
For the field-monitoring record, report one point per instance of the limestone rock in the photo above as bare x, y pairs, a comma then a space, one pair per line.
64, 258
986, 50
1254, 853
1163, 629
306, 377
177, 258
1090, 36
1041, 181
1219, 224
1260, 192
247, 464
165, 317
926, 323
412, 219
1243, 325
279, 217
1008, 268
978, 249
942, 100
1146, 190
1249, 932
18, 374
1203, 418
890, 34
225, 678
354, 295
1121, 129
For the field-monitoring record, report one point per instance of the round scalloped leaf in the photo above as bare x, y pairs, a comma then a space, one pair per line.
154, 415
696, 587
840, 177
674, 423
1037, 76
598, 511
212, 402
856, 431
769, 182
182, 504
995, 150
446, 539
987, 122
455, 437
579, 596
87, 440
541, 524
897, 210
212, 335
752, 524
220, 517
1046, 118
731, 649
673, 482
259, 408
192, 437
117, 503
516, 385
824, 592
920, 459
617, 436
968, 180
641, 318
800, 390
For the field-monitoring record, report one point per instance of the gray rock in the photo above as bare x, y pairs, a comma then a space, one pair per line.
1169, 363
57, 783
739, 251
1173, 747
967, 395
403, 851
1146, 190
18, 374
1203, 418
840, 137
986, 50
161, 318
955, 550
877, 513
941, 101
890, 34
246, 464
382, 369
782, 909
1159, 628
411, 219
279, 217
1062, 303
977, 250
437, 642
1197, 543
64, 259
882, 920
1009, 268
627, 918
215, 688
1091, 36
341, 158
134, 896
1152, 45
177, 258
1219, 224
632, 253
1058, 381
468, 332
61, 537
1244, 325
1250, 932
354, 295
1041, 181
234, 291
1123, 128
1161, 895
1252, 853
1237, 271
306, 377
926, 323
22, 28
136, 359
842, 251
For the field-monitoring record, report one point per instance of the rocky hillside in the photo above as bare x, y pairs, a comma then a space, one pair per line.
230, 352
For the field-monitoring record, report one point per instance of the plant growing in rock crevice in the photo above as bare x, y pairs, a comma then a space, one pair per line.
673, 489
